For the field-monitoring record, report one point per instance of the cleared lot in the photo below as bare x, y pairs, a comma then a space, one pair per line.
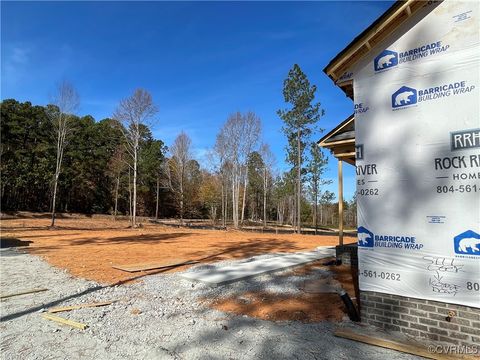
88, 247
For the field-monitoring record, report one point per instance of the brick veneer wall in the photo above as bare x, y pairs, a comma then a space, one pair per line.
423, 318
348, 254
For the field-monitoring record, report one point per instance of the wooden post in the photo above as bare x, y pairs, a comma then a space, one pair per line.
340, 202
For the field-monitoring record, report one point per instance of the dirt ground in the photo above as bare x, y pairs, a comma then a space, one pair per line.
88, 247
160, 317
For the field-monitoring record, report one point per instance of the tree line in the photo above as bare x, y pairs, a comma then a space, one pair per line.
54, 160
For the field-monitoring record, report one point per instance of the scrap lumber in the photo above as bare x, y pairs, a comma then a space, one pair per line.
153, 266
81, 306
398, 346
64, 321
23, 293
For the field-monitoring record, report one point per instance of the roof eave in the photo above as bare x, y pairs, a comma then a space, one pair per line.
335, 130
396, 15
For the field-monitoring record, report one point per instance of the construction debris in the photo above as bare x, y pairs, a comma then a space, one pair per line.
64, 321
81, 306
22, 293
135, 311
394, 345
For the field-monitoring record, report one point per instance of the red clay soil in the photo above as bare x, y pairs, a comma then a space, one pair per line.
304, 307
88, 247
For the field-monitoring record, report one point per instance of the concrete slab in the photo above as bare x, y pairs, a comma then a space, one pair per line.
241, 271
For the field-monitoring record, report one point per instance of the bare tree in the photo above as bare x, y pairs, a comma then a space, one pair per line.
268, 161
130, 194
65, 102
117, 166
224, 169
135, 112
236, 140
157, 196
251, 134
161, 182
228, 145
181, 156
316, 167
216, 162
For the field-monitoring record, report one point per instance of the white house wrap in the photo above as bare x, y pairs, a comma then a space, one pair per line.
417, 124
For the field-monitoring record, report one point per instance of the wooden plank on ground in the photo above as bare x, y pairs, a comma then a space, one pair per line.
398, 346
81, 306
153, 266
22, 293
64, 321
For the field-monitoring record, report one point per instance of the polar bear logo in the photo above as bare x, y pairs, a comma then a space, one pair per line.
363, 238
385, 61
403, 98
467, 243
471, 243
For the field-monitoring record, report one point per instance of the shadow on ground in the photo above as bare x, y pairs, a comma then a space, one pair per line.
8, 242
76, 295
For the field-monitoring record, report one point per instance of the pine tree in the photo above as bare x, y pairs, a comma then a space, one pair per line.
317, 165
299, 122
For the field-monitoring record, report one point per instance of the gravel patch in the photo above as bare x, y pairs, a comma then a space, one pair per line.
279, 282
160, 317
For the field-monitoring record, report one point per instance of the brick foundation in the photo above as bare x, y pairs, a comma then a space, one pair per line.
414, 317
421, 318
347, 254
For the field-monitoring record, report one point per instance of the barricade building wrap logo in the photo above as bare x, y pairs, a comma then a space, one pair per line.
365, 237
360, 108
444, 90
422, 51
405, 96
386, 59
467, 243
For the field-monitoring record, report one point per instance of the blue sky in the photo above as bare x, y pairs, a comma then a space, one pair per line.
201, 61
